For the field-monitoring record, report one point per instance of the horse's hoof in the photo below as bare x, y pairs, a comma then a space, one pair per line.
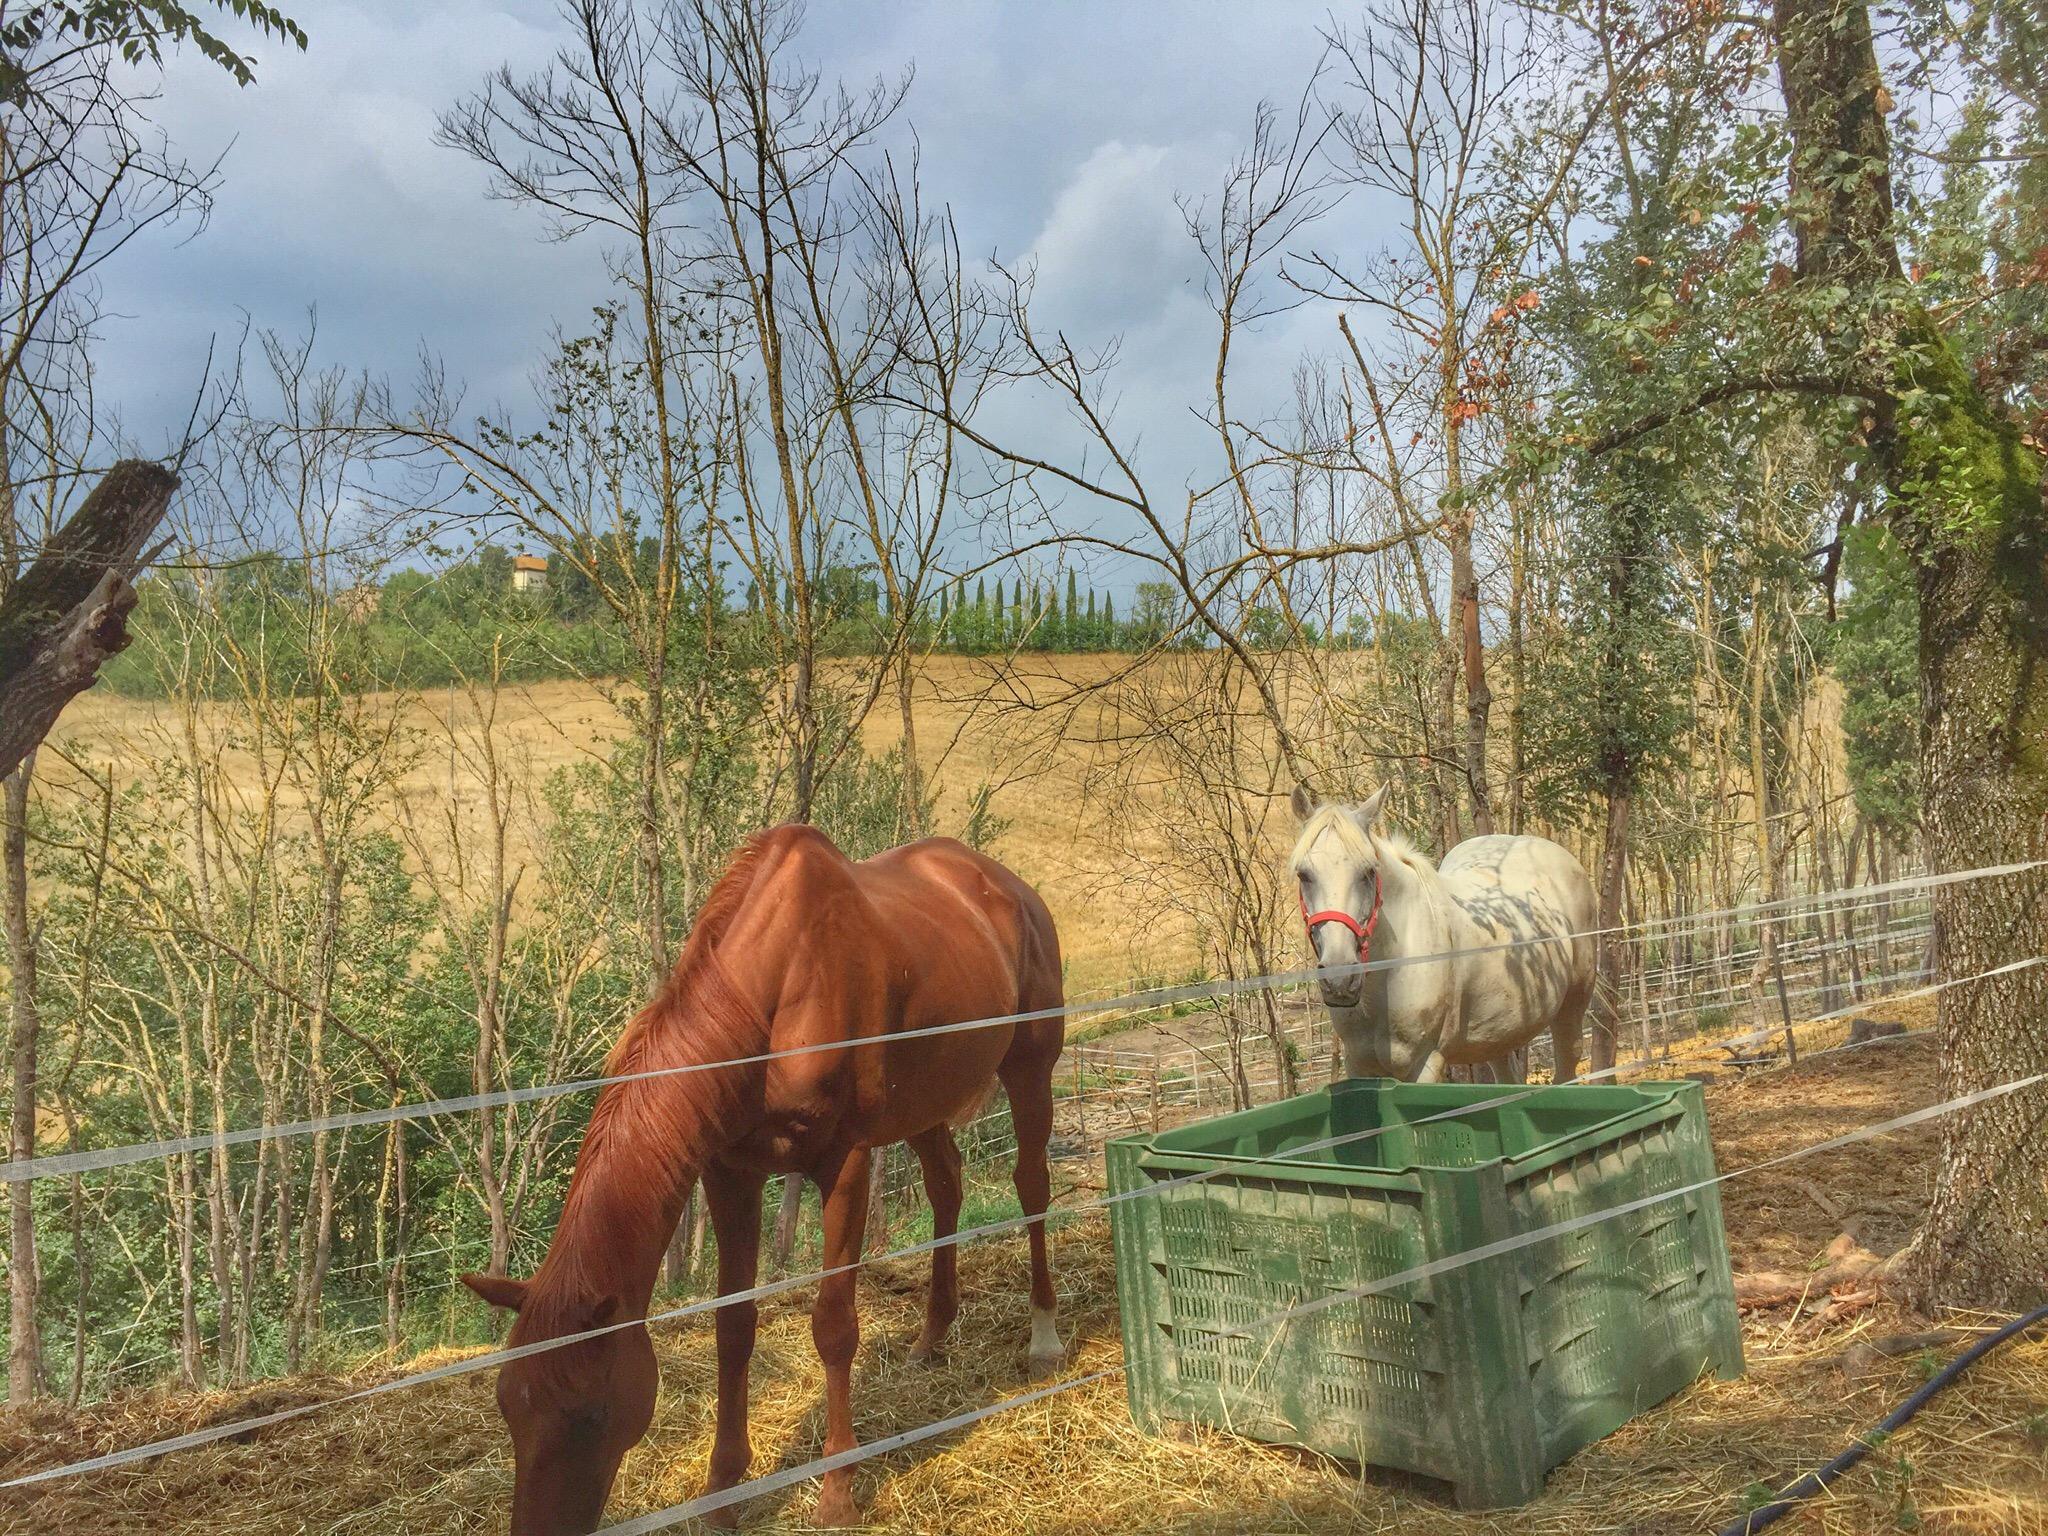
1047, 1352
836, 1510
928, 1352
726, 1517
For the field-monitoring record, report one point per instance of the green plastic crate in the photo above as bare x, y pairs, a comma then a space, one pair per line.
1484, 1375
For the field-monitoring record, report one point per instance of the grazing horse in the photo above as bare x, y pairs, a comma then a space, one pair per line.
1368, 893
797, 947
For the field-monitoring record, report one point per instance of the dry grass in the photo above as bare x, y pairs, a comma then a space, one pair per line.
434, 1459
966, 723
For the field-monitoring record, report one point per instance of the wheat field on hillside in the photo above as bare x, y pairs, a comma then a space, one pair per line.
974, 724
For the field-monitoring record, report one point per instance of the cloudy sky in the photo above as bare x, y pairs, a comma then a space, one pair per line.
1057, 131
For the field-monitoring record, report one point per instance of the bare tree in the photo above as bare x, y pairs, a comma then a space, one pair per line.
1431, 91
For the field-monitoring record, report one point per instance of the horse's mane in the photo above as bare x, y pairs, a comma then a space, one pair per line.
1396, 845
646, 1137
1366, 848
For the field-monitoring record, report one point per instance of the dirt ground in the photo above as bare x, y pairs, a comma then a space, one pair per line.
433, 1459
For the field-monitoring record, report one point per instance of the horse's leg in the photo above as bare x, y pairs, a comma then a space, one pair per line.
1564, 1043
1432, 1068
1355, 1054
1029, 1083
940, 1157
734, 1201
835, 1324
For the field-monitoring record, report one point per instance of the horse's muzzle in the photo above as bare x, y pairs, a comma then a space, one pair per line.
1340, 991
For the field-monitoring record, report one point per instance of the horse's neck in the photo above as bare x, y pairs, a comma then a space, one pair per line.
1421, 916
615, 1225
650, 1136
1411, 908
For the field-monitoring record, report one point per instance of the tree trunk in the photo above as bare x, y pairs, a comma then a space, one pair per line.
1965, 497
1518, 660
1606, 1009
912, 815
1443, 751
653, 871
877, 1233
1472, 659
786, 1219
81, 1284
184, 1200
1831, 992
399, 1229
24, 1338
677, 1262
1769, 971
68, 612
1849, 942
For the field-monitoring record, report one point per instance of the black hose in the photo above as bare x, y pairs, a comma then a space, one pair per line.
1813, 1482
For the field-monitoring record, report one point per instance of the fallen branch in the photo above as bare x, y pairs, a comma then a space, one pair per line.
1847, 1267
67, 614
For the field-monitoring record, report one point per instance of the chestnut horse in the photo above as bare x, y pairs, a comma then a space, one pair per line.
797, 946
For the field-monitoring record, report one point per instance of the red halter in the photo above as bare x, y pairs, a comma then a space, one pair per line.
1360, 931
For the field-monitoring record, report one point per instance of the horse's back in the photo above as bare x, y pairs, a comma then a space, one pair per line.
944, 877
1520, 886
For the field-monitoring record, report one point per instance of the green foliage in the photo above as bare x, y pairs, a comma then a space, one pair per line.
429, 629
1608, 706
1876, 657
860, 804
1658, 309
983, 826
136, 29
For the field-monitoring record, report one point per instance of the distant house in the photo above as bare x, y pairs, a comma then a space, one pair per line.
529, 573
358, 603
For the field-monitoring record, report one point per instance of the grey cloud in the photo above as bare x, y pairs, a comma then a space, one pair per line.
1058, 131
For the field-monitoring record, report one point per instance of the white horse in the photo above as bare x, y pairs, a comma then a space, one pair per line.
1511, 915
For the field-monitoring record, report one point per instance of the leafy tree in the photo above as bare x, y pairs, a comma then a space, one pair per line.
1876, 656
1157, 615
1963, 496
136, 29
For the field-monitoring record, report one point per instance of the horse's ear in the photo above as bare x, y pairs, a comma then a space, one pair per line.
498, 1290
1304, 800
1368, 812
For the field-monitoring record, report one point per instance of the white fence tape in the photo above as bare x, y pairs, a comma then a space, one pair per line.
52, 1165
213, 1433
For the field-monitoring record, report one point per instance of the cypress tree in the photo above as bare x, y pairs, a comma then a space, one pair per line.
1109, 636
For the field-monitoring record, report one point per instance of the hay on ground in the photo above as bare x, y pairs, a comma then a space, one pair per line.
434, 1459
